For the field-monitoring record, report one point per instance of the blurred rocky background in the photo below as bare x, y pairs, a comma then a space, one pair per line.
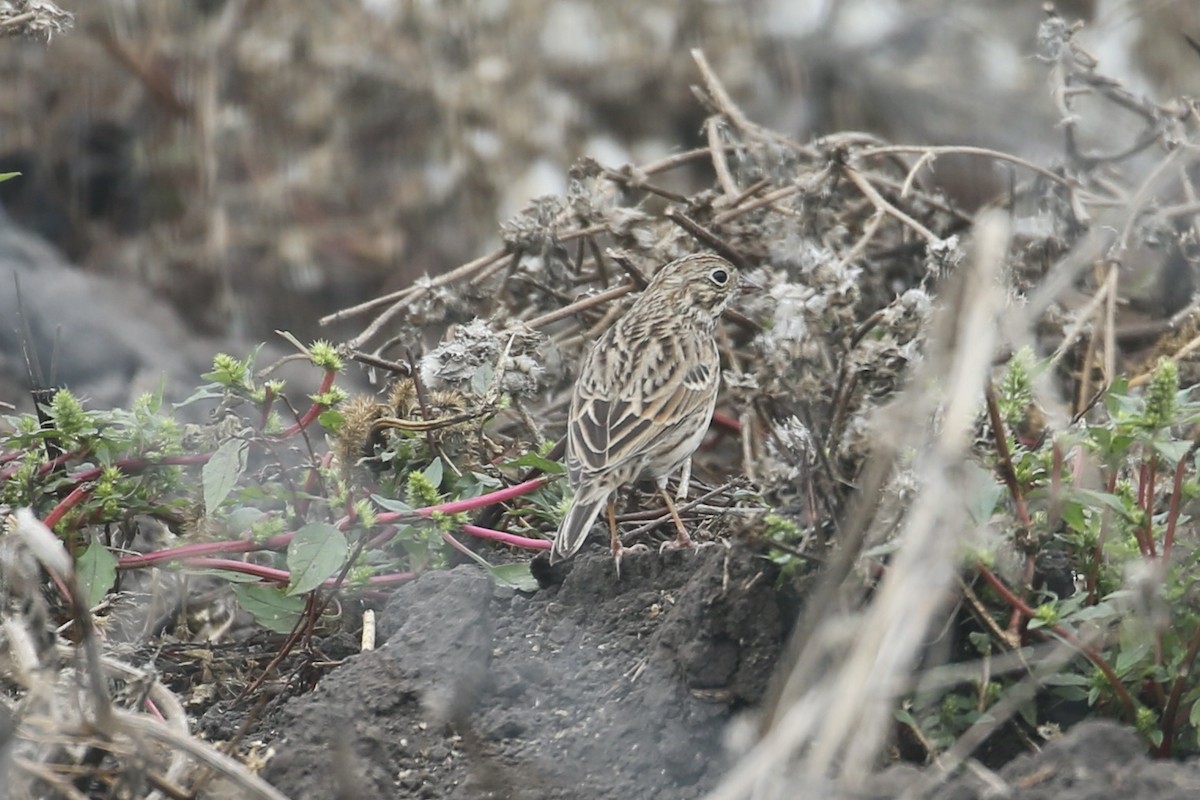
197, 175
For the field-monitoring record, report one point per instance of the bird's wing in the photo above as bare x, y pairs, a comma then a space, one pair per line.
629, 400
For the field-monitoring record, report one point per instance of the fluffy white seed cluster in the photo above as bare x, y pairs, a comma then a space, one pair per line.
481, 361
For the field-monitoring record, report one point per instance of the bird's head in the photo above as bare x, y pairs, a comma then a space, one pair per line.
702, 284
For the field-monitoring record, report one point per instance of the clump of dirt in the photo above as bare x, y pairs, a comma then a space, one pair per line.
1097, 759
601, 687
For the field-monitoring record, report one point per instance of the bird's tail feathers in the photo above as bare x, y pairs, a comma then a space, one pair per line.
574, 528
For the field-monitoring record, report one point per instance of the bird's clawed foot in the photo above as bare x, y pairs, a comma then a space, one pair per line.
687, 542
680, 542
619, 552
682, 539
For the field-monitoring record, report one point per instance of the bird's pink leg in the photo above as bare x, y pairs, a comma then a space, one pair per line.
618, 549
681, 539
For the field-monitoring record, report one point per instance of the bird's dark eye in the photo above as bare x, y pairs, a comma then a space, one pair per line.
719, 276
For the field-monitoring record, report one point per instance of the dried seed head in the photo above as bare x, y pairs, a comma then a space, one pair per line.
535, 228
402, 398
356, 438
482, 362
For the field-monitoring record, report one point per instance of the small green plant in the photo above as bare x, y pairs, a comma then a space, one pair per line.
264, 477
1129, 572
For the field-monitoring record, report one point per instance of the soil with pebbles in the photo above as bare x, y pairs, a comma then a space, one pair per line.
607, 687
600, 687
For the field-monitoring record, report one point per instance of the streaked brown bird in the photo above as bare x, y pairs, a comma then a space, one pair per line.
645, 395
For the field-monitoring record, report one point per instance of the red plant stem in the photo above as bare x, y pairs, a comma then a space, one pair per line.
282, 575
1176, 493
126, 465
727, 422
470, 504
66, 504
1172, 706
310, 486
491, 498
457, 545
268, 401
55, 463
1006, 464
507, 538
382, 538
233, 565
60, 585
481, 533
1093, 575
1015, 628
152, 709
1141, 497
45, 469
140, 463
1092, 655
314, 410
200, 549
280, 541
1152, 478
392, 578
1140, 532
1009, 473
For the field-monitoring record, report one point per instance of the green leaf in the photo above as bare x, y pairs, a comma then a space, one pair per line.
222, 471
1101, 612
981, 641
242, 519
4, 176
1173, 451
97, 571
1131, 655
156, 398
1066, 679
532, 460
984, 495
291, 339
315, 553
1069, 685
1072, 514
1074, 694
226, 575
269, 605
433, 473
391, 504
1194, 717
1093, 499
331, 420
515, 576
1028, 711
1118, 392
417, 546
203, 393
473, 484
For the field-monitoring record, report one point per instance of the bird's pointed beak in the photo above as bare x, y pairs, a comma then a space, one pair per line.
750, 287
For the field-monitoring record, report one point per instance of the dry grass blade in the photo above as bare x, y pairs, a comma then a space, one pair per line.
249, 784
830, 730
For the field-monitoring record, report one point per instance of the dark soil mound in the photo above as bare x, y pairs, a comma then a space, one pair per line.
1096, 760
599, 688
